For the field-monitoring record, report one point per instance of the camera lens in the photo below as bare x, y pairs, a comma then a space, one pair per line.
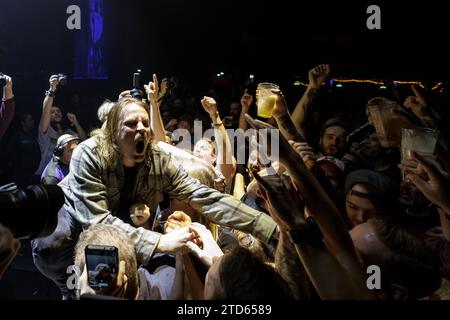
30, 213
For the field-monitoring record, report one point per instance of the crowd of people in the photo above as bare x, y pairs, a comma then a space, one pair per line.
191, 220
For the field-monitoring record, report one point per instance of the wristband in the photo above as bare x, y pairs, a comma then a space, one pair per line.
50, 93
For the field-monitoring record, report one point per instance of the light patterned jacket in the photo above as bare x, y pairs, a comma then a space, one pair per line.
92, 193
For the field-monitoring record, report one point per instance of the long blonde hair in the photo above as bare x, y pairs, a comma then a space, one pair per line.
106, 137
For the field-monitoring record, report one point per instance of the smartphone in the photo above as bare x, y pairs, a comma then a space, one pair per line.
102, 264
136, 80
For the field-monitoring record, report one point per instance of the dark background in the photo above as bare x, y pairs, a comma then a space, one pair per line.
275, 40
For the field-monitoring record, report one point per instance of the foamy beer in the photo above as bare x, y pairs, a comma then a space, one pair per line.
387, 124
265, 99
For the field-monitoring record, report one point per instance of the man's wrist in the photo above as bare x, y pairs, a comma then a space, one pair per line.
313, 86
50, 93
308, 232
215, 117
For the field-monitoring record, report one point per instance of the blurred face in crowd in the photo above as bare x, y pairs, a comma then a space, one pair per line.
254, 163
235, 110
68, 150
27, 123
178, 104
371, 148
55, 114
213, 288
332, 173
359, 209
332, 142
204, 150
133, 134
183, 124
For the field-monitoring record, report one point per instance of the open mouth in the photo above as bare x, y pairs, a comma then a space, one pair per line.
140, 144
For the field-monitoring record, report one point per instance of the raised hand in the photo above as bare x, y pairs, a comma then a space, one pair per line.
152, 90
72, 118
246, 101
7, 89
210, 105
417, 104
53, 82
318, 75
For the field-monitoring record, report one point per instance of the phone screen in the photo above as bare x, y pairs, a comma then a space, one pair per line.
102, 265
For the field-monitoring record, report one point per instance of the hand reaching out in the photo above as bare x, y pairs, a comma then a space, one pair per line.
210, 247
285, 205
177, 220
432, 181
306, 152
175, 240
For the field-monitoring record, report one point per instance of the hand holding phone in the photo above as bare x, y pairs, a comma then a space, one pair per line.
102, 264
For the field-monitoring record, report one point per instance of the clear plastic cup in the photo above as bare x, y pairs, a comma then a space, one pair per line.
265, 101
418, 139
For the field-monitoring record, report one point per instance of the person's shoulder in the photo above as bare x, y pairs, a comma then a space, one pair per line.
88, 149
90, 143
159, 152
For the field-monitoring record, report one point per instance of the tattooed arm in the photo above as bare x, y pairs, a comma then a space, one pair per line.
284, 121
290, 267
316, 77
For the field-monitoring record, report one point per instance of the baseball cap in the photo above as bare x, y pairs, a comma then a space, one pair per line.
381, 186
334, 164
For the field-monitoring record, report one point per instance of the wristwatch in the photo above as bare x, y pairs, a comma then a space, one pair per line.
309, 233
